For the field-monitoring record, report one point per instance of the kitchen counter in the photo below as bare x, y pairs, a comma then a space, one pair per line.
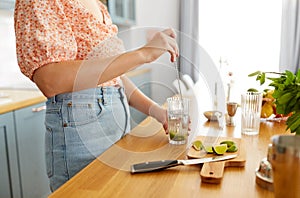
109, 175
14, 99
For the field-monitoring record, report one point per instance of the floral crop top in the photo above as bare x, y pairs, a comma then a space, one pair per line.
49, 31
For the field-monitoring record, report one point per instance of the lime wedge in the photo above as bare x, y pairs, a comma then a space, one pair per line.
172, 134
209, 149
179, 137
197, 145
229, 143
232, 148
176, 136
220, 149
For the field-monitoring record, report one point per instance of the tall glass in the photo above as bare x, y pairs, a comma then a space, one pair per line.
178, 119
251, 103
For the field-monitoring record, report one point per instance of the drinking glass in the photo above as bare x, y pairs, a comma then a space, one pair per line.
178, 119
231, 110
251, 103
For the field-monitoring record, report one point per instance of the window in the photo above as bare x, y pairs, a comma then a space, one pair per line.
243, 34
7, 4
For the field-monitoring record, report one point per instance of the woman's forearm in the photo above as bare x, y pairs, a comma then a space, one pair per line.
141, 102
136, 98
68, 76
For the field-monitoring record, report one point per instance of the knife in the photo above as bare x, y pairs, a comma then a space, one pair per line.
163, 164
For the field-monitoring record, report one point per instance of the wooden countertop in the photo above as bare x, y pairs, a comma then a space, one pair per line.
13, 99
109, 176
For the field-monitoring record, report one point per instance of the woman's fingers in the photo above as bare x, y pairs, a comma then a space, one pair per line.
172, 48
160, 114
170, 32
161, 42
165, 126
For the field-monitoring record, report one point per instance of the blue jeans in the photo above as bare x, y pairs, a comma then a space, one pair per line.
80, 126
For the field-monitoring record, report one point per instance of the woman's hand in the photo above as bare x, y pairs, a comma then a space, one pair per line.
160, 114
161, 42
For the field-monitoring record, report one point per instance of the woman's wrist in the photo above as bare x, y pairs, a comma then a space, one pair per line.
158, 112
144, 55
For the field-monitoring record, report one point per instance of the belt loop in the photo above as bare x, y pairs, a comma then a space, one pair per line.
120, 92
53, 99
102, 95
125, 110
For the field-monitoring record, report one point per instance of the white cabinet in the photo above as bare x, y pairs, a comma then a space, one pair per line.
23, 169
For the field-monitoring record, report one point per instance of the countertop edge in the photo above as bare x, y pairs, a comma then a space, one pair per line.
20, 99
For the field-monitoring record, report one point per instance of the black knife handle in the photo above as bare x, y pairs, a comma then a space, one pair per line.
153, 166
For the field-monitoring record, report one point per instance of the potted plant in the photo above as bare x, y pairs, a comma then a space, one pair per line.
286, 94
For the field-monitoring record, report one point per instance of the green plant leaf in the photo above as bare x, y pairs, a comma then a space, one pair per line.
298, 76
262, 79
293, 127
290, 76
286, 94
298, 131
258, 77
252, 90
254, 73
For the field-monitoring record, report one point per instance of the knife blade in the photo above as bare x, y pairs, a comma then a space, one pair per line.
163, 164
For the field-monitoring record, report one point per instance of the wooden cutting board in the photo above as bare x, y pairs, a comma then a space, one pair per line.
212, 172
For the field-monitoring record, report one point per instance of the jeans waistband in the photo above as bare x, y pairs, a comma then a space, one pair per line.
93, 93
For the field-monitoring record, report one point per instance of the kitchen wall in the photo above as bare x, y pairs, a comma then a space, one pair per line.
149, 14
152, 14
10, 75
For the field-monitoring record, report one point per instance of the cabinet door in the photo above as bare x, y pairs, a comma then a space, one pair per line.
9, 177
30, 139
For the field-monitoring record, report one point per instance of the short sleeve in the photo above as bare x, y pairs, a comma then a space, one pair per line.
43, 34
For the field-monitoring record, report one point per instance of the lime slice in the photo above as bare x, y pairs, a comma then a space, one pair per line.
178, 137
172, 134
232, 148
220, 149
209, 149
197, 145
229, 143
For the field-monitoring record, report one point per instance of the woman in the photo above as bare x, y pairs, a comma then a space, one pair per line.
70, 49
